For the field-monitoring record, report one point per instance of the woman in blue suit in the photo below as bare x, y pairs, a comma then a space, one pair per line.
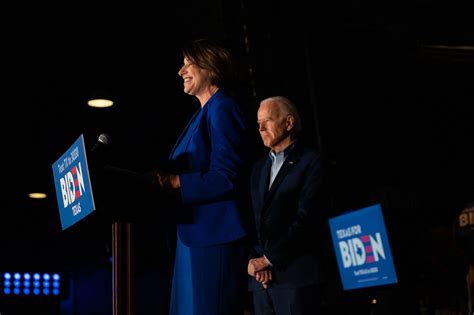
208, 165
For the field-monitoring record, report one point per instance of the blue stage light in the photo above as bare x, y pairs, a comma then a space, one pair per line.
35, 285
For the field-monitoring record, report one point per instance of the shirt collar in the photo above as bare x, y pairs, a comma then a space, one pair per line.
283, 153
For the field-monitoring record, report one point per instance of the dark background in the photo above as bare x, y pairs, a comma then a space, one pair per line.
389, 84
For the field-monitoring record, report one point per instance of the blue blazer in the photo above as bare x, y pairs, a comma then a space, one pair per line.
209, 157
288, 218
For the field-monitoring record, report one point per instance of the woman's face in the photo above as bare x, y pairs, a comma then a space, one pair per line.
196, 79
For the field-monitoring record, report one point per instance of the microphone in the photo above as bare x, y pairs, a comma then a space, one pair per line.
102, 141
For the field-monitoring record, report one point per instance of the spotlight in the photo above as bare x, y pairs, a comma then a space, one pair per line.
34, 285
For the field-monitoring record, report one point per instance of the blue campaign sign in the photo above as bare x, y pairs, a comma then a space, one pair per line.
73, 186
362, 249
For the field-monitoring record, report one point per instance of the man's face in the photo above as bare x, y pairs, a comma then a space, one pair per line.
274, 126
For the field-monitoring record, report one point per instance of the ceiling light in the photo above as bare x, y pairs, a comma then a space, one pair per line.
37, 195
100, 103
101, 99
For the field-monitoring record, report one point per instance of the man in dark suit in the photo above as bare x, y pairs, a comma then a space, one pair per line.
284, 266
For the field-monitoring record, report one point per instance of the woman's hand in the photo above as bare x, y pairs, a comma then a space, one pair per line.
169, 182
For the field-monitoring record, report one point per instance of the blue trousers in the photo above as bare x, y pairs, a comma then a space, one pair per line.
209, 280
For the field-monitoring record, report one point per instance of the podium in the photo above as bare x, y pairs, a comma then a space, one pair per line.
123, 234
76, 201
123, 268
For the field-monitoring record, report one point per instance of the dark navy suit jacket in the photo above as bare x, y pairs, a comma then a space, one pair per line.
209, 157
288, 218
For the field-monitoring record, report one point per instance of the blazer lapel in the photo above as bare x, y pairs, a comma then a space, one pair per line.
186, 130
264, 180
262, 189
183, 140
288, 165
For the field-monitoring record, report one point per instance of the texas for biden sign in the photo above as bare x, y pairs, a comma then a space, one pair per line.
362, 249
72, 183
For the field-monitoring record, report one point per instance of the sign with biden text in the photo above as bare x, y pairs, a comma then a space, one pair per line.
362, 249
73, 186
